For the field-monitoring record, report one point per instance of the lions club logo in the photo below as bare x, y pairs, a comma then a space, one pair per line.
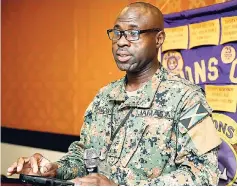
173, 62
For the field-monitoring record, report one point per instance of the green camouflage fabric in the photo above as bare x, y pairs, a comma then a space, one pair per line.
169, 138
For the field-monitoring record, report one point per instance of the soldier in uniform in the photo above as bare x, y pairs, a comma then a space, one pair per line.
150, 127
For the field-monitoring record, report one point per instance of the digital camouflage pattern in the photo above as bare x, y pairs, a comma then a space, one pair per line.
169, 138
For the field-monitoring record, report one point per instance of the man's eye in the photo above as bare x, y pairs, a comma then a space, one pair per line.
117, 33
133, 33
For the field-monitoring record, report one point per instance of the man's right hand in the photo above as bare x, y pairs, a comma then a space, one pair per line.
34, 165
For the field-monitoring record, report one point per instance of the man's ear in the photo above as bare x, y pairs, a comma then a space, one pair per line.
160, 38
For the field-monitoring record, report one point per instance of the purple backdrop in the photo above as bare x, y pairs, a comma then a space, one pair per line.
227, 159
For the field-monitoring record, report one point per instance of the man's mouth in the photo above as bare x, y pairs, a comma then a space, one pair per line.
124, 58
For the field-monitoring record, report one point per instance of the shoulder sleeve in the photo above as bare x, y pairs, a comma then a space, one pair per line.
71, 165
195, 120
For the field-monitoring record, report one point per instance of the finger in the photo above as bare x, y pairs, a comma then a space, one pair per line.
34, 164
46, 168
11, 172
20, 163
38, 156
12, 168
50, 167
49, 170
43, 161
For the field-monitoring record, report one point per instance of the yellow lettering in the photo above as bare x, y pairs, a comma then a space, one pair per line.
232, 71
200, 71
213, 74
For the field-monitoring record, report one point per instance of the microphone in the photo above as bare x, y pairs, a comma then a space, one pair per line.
91, 158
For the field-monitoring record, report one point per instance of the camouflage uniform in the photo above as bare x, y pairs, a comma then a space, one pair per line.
169, 138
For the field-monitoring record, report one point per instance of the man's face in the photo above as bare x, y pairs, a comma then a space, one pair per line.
134, 56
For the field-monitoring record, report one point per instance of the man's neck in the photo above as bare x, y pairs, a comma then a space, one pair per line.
137, 79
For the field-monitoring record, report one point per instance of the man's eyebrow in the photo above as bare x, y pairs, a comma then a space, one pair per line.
131, 26
117, 26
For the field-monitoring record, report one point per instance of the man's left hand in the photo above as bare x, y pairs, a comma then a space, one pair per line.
93, 179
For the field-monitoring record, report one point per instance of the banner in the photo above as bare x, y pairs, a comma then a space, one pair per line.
227, 129
222, 98
204, 33
210, 61
176, 37
229, 29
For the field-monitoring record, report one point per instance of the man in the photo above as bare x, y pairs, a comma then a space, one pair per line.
150, 127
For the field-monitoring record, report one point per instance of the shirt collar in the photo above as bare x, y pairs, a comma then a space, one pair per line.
145, 95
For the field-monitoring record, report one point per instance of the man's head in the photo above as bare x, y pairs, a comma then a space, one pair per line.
136, 55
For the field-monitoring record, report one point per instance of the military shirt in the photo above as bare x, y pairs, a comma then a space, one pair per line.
168, 139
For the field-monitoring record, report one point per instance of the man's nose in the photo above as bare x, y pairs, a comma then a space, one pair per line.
123, 41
